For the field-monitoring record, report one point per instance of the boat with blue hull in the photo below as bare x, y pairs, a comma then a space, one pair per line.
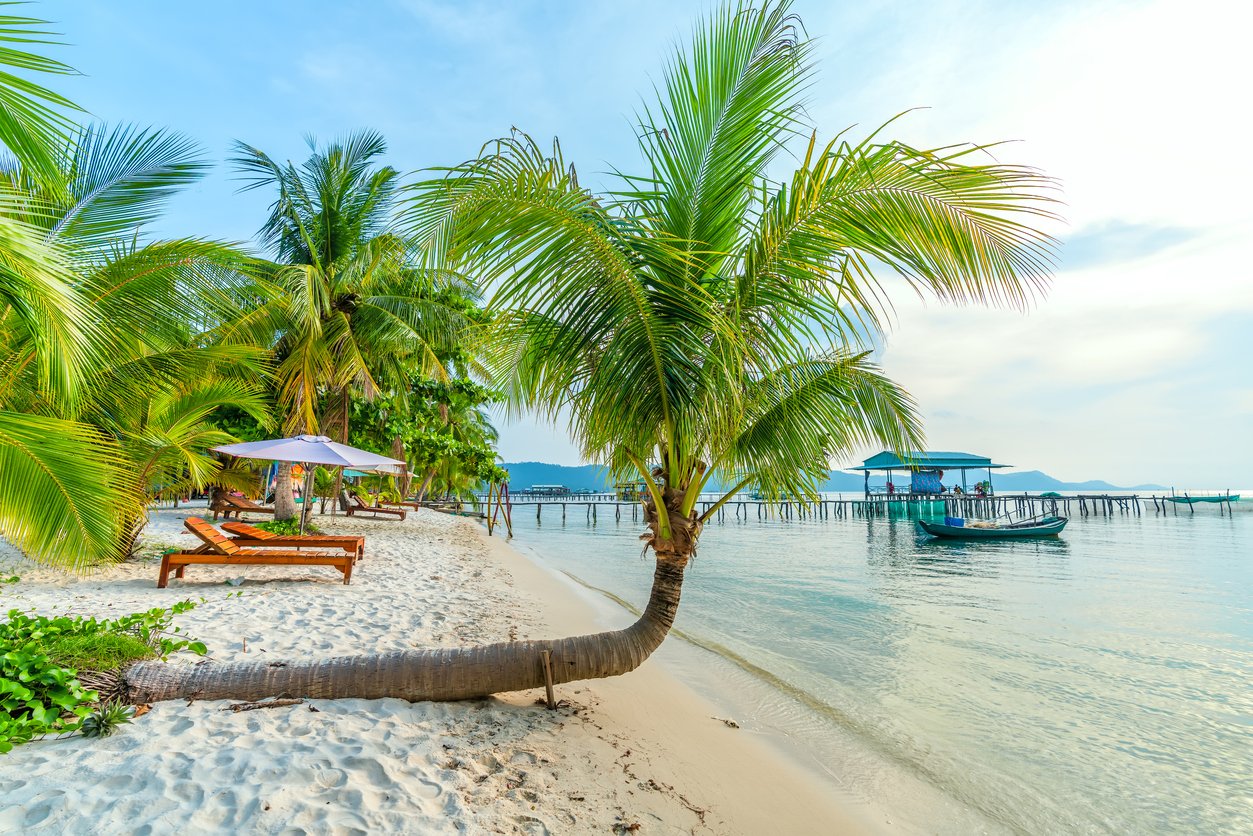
957, 529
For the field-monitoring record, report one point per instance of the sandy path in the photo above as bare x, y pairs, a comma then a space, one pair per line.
638, 750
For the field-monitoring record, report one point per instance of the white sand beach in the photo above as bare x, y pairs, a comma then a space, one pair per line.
640, 753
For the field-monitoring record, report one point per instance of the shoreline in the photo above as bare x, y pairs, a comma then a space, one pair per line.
755, 787
643, 749
881, 791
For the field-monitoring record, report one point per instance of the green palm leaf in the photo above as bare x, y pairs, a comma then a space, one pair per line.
120, 180
32, 117
63, 487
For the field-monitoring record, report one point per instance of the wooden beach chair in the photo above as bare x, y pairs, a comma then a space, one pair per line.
227, 505
220, 550
249, 536
383, 503
356, 506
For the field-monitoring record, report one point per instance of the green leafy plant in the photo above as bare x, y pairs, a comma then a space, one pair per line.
43, 662
104, 721
285, 528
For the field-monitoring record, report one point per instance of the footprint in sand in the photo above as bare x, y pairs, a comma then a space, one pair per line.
427, 790
42, 811
180, 725
186, 791
117, 783
532, 826
330, 778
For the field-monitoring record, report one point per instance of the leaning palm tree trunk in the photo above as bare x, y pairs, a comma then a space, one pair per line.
440, 674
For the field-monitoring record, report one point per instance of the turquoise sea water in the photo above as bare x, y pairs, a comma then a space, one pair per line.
1100, 683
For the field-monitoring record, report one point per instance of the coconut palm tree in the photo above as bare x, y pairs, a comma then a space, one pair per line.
151, 378
701, 322
101, 369
60, 492
349, 306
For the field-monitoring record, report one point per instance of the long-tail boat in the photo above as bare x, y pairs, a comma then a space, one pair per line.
959, 529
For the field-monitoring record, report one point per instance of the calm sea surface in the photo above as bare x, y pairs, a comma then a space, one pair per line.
1098, 683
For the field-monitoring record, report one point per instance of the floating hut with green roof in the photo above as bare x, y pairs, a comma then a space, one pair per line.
925, 468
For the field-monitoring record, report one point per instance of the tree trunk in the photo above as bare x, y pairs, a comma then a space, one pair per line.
340, 421
284, 503
438, 674
426, 483
447, 673
404, 480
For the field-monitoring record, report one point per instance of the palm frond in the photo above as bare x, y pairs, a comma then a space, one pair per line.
49, 321
63, 488
119, 179
727, 105
33, 120
803, 414
962, 229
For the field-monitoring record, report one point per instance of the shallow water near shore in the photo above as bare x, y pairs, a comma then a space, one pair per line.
1095, 683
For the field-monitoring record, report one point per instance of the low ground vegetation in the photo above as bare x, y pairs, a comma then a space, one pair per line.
60, 675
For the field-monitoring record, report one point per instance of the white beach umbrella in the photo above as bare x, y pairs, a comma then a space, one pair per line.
311, 450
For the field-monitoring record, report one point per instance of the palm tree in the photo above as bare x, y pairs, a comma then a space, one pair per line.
348, 306
153, 378
701, 322
61, 491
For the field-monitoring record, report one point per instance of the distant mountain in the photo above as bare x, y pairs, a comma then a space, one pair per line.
1034, 480
588, 477
592, 477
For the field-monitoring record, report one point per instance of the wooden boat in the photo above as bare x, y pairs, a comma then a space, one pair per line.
1188, 500
1046, 527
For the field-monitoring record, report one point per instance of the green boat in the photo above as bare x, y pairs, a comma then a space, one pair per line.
1189, 500
1046, 527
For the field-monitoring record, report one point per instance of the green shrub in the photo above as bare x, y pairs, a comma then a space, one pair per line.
285, 528
41, 658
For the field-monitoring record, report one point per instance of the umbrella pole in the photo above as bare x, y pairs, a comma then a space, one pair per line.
305, 507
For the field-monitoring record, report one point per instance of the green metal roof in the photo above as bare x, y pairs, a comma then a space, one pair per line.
926, 460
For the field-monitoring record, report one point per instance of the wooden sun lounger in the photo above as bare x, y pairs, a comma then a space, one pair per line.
227, 505
415, 506
249, 536
218, 549
356, 506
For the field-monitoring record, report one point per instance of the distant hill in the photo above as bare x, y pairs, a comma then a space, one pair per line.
592, 477
1034, 480
588, 477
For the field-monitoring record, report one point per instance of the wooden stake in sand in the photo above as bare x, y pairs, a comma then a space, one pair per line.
545, 657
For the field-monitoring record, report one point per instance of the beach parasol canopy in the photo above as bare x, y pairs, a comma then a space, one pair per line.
310, 450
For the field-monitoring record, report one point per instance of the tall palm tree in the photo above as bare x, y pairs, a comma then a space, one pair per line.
152, 377
59, 490
702, 322
348, 305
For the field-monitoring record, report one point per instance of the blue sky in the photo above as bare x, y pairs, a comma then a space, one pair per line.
1137, 107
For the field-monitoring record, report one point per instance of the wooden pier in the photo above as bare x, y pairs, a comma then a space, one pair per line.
594, 507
